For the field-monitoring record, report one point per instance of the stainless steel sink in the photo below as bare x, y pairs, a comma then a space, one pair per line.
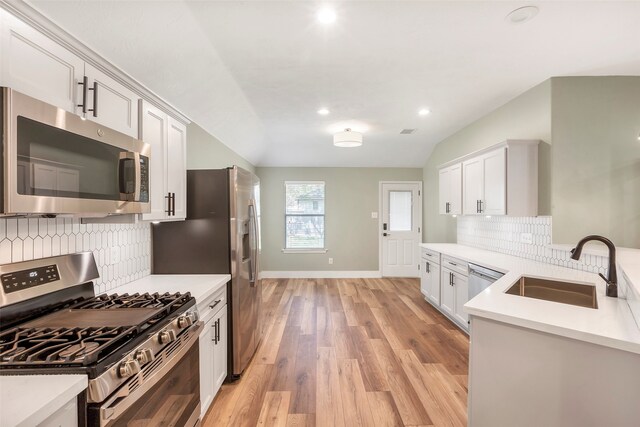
556, 291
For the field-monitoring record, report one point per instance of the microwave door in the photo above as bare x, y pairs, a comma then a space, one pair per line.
129, 176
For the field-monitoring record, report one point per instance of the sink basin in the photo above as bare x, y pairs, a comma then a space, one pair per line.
556, 291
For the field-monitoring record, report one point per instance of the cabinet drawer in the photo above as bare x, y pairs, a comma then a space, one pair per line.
455, 265
212, 305
431, 256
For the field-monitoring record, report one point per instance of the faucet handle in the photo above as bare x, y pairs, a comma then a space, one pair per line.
604, 278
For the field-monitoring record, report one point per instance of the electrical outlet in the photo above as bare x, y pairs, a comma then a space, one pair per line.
526, 238
374, 215
330, 260
115, 255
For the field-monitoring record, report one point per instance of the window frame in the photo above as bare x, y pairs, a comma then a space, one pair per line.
323, 215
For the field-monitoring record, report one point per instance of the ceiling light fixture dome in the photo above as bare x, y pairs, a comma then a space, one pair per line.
347, 139
323, 111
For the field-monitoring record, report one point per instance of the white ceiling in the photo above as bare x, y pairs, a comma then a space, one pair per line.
254, 73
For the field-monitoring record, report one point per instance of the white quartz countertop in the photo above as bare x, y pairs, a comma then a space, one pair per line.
28, 400
201, 286
611, 324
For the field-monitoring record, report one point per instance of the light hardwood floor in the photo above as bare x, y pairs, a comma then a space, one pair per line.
349, 352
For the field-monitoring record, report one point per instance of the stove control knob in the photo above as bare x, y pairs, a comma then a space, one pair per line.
186, 320
144, 356
165, 337
128, 368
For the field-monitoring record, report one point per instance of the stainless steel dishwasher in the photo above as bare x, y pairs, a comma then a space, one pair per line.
480, 278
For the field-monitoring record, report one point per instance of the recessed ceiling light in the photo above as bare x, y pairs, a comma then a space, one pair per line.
424, 112
323, 111
326, 15
522, 14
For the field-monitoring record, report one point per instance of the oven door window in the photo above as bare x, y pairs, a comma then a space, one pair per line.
170, 402
56, 163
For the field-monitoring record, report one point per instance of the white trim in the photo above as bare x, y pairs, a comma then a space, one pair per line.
34, 18
476, 153
358, 274
304, 251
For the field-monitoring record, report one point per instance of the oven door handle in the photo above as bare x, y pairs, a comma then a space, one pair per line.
126, 193
122, 400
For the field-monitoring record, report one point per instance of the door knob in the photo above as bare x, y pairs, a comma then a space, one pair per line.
386, 234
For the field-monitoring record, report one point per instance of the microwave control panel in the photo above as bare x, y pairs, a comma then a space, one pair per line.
144, 179
20, 280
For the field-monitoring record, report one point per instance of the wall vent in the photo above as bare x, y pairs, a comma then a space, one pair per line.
407, 131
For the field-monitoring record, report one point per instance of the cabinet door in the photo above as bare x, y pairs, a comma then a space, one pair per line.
116, 106
177, 166
220, 351
424, 278
495, 182
66, 416
207, 392
472, 188
455, 189
35, 65
447, 295
461, 290
434, 284
443, 190
154, 125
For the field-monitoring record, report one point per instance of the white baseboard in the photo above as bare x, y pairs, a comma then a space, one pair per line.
360, 274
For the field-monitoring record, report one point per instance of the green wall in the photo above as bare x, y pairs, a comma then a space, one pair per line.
595, 123
526, 117
204, 151
351, 235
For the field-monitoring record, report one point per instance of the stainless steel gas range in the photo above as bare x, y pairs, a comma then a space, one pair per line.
140, 351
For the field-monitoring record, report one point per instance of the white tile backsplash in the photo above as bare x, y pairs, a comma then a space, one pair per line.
122, 251
511, 235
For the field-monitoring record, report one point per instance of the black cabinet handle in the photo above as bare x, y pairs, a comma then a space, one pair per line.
477, 206
168, 210
451, 279
215, 332
84, 84
173, 204
95, 99
480, 201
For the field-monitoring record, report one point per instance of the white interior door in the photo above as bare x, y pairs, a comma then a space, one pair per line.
401, 228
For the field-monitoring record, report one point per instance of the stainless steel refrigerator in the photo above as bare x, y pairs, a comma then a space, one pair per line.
220, 235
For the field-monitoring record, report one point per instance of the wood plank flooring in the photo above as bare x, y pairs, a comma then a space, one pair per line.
349, 352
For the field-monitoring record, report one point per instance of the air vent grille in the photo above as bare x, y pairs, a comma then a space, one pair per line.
407, 131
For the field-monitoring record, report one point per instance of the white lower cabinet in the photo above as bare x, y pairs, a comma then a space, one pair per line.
447, 293
213, 349
445, 285
430, 281
66, 416
461, 291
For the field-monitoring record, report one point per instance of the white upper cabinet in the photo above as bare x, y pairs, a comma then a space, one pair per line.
37, 66
110, 103
168, 175
450, 195
484, 189
154, 126
177, 168
500, 180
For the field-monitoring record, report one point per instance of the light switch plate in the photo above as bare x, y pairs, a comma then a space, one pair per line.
526, 238
330, 260
374, 215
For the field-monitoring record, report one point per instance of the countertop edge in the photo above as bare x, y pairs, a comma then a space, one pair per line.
78, 385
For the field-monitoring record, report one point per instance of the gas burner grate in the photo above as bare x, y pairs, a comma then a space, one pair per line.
60, 346
146, 300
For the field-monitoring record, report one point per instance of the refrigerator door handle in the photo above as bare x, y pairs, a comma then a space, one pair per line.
253, 262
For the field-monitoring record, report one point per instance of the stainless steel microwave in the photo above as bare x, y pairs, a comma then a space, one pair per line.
55, 162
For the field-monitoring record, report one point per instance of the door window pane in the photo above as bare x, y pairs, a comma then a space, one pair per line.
400, 210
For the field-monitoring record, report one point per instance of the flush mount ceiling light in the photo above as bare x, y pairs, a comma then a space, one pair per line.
326, 15
347, 139
522, 14
424, 112
323, 111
